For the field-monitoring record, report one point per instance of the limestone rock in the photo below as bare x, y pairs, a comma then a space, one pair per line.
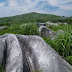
46, 32
25, 53
60, 32
2, 49
65, 23
14, 61
40, 24
49, 23
3, 27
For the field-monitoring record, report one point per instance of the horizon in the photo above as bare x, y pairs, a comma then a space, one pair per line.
10, 8
28, 13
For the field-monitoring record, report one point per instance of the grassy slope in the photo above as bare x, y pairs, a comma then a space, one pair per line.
26, 18
63, 45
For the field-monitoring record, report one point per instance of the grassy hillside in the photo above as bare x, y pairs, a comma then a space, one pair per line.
24, 24
32, 18
26, 18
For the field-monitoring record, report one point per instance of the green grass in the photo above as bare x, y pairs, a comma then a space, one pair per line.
62, 44
26, 18
36, 71
2, 68
29, 29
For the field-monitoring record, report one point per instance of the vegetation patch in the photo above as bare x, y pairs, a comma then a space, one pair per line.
62, 44
24, 24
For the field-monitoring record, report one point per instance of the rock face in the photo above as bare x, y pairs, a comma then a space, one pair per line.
25, 53
14, 61
46, 32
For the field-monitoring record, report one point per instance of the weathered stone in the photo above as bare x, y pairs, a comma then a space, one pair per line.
49, 23
40, 24
41, 56
62, 23
3, 27
25, 53
60, 32
14, 62
65, 23
2, 50
59, 22
46, 32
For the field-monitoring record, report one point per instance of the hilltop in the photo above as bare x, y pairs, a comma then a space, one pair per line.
26, 18
32, 18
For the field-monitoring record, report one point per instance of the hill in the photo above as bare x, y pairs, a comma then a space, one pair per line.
27, 18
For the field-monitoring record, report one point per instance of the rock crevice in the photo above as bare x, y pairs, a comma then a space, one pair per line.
26, 53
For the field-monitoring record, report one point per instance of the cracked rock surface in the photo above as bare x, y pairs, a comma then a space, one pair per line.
21, 53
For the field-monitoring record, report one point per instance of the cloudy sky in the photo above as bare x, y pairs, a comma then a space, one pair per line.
17, 7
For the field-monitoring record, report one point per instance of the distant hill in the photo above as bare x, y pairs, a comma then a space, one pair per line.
26, 18
30, 17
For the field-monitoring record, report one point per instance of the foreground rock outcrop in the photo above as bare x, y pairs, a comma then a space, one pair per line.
22, 53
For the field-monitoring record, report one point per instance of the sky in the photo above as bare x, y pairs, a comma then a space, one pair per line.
18, 7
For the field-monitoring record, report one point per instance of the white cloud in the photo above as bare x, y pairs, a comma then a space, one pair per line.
62, 4
2, 4
66, 7
12, 3
15, 7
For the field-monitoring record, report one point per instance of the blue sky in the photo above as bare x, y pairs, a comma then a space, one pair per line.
17, 7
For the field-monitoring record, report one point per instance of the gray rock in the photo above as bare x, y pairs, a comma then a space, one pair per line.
26, 53
2, 49
46, 32
62, 23
3, 27
65, 23
60, 32
41, 56
49, 23
59, 22
14, 62
40, 24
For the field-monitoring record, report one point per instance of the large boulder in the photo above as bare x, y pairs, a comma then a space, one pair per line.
46, 32
25, 53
